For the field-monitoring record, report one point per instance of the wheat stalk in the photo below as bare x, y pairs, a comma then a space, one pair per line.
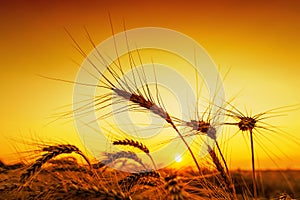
125, 88
247, 123
205, 127
152, 107
225, 176
52, 152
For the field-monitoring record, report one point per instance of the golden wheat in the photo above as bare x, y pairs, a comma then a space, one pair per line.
174, 188
53, 151
225, 176
132, 143
129, 181
111, 157
137, 145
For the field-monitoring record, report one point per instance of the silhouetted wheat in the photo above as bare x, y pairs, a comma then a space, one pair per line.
256, 122
121, 89
124, 89
137, 145
132, 143
228, 182
111, 157
53, 151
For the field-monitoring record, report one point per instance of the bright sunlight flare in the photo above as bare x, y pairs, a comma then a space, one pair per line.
178, 158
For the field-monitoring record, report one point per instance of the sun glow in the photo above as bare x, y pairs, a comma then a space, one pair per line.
178, 158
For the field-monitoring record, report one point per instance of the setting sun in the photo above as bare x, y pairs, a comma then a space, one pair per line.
178, 158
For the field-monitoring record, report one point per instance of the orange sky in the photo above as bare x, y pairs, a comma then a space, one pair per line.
259, 41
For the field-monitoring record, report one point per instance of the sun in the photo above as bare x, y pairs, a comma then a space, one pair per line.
178, 158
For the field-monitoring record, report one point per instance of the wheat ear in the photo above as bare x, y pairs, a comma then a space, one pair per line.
152, 107
228, 182
174, 188
206, 128
111, 157
52, 152
137, 145
129, 181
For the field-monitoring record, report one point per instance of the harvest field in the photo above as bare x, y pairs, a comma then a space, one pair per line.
142, 110
65, 179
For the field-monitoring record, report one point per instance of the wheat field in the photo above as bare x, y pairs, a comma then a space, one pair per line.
150, 123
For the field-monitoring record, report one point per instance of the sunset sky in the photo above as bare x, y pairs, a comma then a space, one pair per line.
258, 41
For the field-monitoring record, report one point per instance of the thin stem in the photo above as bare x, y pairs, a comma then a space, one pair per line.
154, 165
253, 166
223, 159
227, 170
187, 145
